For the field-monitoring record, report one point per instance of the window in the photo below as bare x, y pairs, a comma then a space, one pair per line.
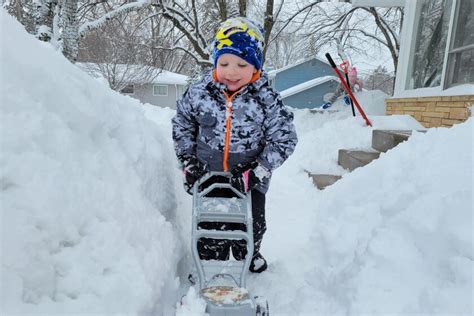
430, 44
180, 91
460, 67
130, 89
160, 90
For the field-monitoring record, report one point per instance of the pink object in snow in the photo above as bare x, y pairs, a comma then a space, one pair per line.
353, 75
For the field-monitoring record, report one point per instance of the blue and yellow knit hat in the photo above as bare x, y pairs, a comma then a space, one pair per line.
241, 37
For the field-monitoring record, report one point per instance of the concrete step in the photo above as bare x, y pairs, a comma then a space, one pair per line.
323, 180
352, 159
384, 140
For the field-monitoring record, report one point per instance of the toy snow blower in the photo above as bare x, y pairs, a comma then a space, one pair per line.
222, 284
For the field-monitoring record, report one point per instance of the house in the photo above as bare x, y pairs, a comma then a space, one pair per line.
164, 90
145, 83
435, 76
304, 84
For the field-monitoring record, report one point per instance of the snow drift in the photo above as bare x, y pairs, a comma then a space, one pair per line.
86, 191
394, 237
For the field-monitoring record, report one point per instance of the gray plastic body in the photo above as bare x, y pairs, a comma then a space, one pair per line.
213, 274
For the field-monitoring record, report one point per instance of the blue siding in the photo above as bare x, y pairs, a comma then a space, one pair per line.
311, 98
303, 72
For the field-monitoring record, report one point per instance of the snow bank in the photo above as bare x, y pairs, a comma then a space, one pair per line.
322, 134
372, 102
395, 237
87, 192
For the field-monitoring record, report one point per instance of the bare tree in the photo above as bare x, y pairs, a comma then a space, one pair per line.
116, 52
380, 79
70, 30
191, 17
187, 17
390, 29
24, 11
354, 29
243, 7
268, 23
179, 28
69, 20
44, 19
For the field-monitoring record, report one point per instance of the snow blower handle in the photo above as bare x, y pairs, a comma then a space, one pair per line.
216, 180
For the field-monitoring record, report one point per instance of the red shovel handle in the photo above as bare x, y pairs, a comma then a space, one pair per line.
348, 90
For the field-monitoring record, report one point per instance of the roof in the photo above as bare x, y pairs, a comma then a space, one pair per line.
168, 77
151, 75
274, 72
306, 85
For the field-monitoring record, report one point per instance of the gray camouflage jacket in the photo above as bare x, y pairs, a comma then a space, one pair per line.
260, 127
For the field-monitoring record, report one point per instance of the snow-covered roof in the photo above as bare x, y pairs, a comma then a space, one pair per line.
153, 74
272, 73
168, 77
306, 85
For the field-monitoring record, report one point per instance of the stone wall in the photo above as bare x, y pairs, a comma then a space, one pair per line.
433, 111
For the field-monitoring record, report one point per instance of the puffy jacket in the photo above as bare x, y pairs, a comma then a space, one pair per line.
260, 127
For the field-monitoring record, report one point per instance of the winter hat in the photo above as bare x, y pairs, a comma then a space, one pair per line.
241, 37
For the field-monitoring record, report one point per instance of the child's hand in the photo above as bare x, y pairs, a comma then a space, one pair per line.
193, 170
246, 177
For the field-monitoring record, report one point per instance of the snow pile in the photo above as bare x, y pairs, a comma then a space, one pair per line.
191, 305
396, 235
87, 192
322, 134
372, 102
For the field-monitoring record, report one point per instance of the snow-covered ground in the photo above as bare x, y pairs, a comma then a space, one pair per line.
94, 219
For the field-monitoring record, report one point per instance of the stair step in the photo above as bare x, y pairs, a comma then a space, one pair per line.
384, 140
323, 180
352, 159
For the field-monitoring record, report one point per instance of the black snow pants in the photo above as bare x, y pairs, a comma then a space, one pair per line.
218, 249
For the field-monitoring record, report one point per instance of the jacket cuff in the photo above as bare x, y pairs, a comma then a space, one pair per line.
265, 164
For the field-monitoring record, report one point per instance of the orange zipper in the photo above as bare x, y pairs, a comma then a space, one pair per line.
228, 127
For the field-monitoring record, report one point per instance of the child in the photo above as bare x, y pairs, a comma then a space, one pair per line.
232, 120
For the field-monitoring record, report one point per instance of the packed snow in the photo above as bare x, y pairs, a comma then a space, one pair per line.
87, 196
95, 219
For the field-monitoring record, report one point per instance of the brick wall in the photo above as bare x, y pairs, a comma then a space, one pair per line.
433, 111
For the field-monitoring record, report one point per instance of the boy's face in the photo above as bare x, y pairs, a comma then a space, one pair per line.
234, 71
